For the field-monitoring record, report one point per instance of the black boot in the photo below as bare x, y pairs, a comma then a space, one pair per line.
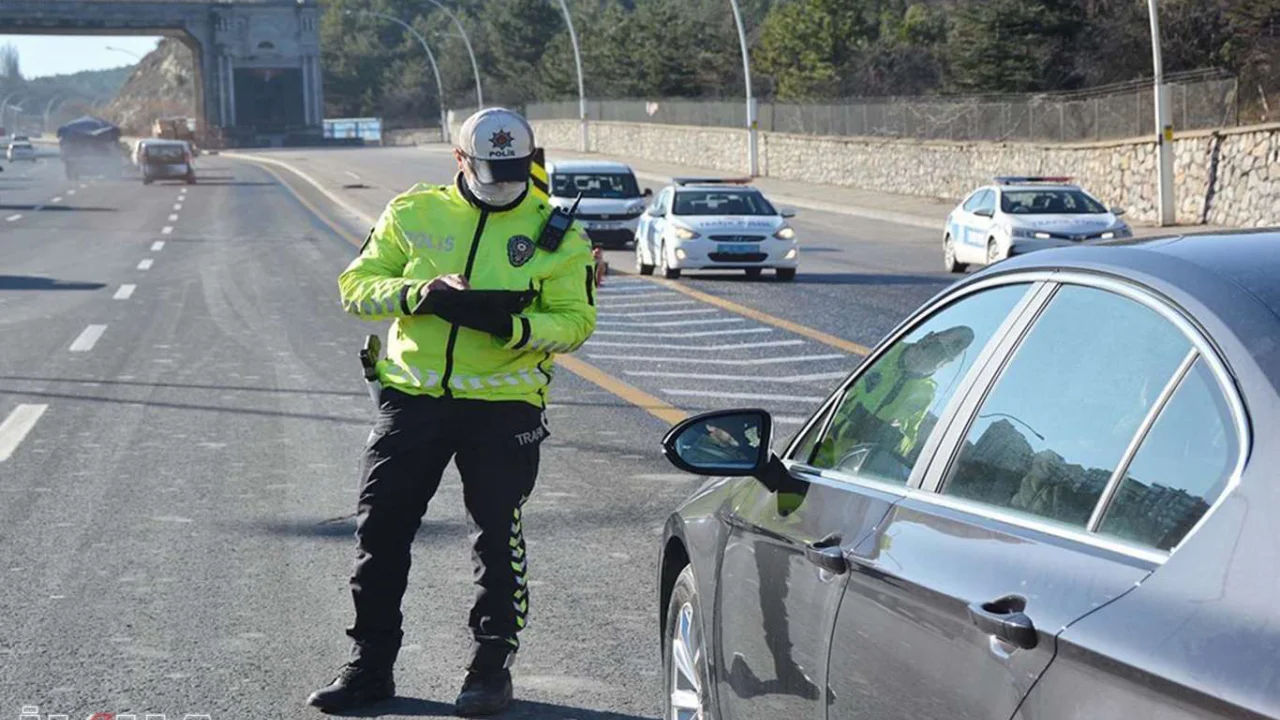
356, 686
484, 692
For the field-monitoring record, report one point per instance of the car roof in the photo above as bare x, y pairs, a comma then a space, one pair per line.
1231, 279
587, 166
726, 187
1037, 186
162, 141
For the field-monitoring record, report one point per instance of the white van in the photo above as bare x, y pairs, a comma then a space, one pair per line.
611, 200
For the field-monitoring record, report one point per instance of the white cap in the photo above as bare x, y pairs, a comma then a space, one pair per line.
496, 134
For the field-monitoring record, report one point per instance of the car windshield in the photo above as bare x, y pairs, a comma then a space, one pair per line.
1049, 202
595, 185
722, 202
165, 153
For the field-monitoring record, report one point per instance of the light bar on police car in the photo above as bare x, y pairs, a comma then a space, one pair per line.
1024, 179
711, 181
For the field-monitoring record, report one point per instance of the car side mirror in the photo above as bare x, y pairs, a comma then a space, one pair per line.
1117, 211
733, 443
788, 212
985, 212
647, 194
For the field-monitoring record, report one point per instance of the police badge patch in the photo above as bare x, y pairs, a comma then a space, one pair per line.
519, 250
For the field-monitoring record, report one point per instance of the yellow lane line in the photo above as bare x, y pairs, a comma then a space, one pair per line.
639, 398
766, 318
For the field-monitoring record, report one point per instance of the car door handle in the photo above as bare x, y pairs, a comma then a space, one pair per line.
827, 554
1004, 619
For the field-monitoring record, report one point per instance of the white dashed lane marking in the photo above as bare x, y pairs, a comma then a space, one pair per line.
15, 427
145, 264
670, 323
794, 379
693, 334
173, 218
157, 246
660, 303
125, 292
177, 206
57, 199
88, 338
660, 313
72, 191
704, 348
166, 230
12, 218
720, 361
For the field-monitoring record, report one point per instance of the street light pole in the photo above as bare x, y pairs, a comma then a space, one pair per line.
753, 153
1164, 126
126, 52
444, 123
475, 68
48, 108
577, 60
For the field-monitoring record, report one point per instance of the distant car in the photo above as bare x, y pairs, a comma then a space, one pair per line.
166, 160
1017, 215
611, 200
1050, 494
715, 224
20, 150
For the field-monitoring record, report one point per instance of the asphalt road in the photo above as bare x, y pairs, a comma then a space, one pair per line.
181, 414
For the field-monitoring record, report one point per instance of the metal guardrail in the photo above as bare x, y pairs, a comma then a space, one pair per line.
1199, 101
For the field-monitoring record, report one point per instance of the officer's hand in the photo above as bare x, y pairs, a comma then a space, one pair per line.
445, 283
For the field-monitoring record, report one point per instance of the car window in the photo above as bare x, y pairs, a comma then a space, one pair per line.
987, 202
1181, 467
664, 202
888, 412
1049, 202
972, 203
1057, 422
618, 186
722, 202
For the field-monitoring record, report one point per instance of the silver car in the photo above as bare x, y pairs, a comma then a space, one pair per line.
1017, 215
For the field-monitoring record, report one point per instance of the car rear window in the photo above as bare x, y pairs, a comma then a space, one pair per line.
595, 185
721, 202
166, 152
1049, 202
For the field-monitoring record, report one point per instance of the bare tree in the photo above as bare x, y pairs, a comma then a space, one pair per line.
10, 69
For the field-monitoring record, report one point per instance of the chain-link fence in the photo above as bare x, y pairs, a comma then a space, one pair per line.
1198, 101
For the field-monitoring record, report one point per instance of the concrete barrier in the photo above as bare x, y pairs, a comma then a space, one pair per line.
1225, 177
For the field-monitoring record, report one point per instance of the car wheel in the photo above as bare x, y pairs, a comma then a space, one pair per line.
684, 655
191, 179
786, 274
993, 252
641, 266
754, 273
667, 271
949, 256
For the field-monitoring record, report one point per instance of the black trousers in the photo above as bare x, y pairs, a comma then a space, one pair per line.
495, 446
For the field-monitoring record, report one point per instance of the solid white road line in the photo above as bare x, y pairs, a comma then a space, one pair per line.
88, 338
793, 379
707, 348
692, 334
145, 264
15, 427
657, 313
660, 303
157, 246
125, 292
166, 230
173, 218
670, 323
745, 396
789, 420
645, 289
721, 361
13, 217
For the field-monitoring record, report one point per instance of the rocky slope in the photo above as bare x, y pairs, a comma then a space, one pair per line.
162, 85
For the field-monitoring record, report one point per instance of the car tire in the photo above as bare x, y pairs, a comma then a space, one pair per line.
686, 681
754, 273
786, 274
993, 252
642, 267
191, 179
949, 256
668, 272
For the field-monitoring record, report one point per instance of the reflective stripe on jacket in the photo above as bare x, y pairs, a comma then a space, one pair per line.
433, 230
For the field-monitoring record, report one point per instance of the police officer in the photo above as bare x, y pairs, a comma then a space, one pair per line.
465, 379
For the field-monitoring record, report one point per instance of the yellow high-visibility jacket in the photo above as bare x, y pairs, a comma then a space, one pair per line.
433, 230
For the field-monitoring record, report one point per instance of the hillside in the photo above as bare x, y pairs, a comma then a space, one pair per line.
161, 85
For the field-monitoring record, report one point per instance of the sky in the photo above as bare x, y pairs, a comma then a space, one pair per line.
43, 55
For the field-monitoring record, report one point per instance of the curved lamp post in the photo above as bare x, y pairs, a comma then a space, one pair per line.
577, 61
475, 68
753, 154
444, 125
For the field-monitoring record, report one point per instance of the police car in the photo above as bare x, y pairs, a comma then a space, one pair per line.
715, 224
1017, 215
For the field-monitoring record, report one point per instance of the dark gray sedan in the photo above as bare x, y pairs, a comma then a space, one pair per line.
1053, 492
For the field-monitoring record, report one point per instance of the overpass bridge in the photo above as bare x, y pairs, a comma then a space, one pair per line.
257, 62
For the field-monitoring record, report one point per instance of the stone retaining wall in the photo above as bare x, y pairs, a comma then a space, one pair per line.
1229, 177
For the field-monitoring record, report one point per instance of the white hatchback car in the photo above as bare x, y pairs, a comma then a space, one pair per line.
20, 150
611, 200
1017, 215
715, 224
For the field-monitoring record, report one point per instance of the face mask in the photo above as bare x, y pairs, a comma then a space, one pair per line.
495, 194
